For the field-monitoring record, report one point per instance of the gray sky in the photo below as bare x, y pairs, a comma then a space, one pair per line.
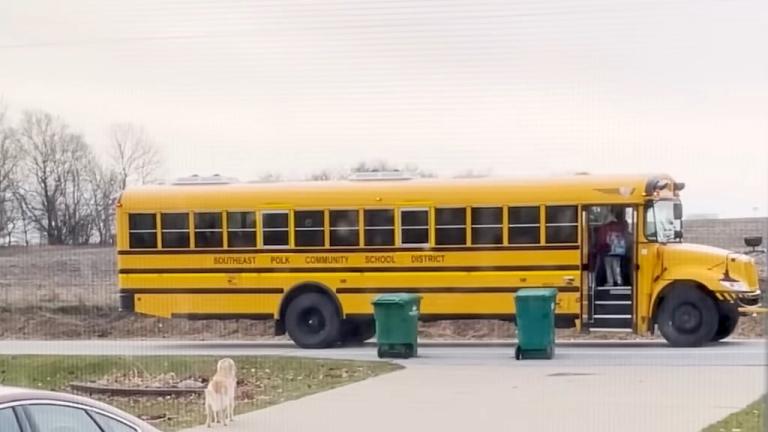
242, 87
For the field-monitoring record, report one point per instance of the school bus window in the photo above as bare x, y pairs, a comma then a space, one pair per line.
450, 226
562, 224
344, 228
208, 230
274, 228
379, 227
175, 230
524, 225
487, 226
414, 226
308, 228
241, 229
142, 231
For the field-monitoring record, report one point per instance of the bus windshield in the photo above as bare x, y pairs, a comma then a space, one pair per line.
661, 223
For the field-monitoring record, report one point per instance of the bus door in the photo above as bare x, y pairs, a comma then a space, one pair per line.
609, 266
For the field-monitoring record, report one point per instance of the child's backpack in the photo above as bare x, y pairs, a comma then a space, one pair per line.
617, 243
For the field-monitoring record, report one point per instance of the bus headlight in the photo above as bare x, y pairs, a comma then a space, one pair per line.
734, 285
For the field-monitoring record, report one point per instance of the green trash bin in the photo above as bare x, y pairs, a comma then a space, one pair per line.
397, 324
535, 314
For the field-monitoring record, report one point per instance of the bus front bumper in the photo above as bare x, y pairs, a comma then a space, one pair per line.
750, 303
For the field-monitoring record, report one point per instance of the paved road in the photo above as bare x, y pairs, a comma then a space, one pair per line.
511, 398
578, 353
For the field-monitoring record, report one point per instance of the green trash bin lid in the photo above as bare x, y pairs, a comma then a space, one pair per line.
400, 298
537, 292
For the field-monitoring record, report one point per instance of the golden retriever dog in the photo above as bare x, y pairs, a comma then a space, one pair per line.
227, 368
220, 394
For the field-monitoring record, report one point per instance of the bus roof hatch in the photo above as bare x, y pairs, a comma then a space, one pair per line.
200, 180
379, 175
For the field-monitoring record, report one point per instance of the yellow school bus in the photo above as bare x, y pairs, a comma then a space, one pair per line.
313, 255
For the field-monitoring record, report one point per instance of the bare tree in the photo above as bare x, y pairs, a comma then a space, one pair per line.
270, 177
41, 134
11, 220
326, 175
418, 172
78, 215
10, 157
54, 197
25, 222
136, 158
471, 173
379, 165
105, 186
376, 165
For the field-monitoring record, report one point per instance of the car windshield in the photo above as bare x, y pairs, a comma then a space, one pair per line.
661, 224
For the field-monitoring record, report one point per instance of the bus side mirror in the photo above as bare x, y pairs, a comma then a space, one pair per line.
754, 242
677, 209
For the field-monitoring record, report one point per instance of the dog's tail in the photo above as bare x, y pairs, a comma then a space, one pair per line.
216, 394
208, 406
219, 386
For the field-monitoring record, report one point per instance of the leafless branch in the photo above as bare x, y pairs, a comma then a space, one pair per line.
135, 157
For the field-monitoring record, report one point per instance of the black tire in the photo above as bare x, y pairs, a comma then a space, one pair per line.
409, 350
729, 318
357, 331
688, 317
312, 321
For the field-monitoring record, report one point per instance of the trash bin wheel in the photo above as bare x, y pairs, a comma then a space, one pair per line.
518, 353
408, 353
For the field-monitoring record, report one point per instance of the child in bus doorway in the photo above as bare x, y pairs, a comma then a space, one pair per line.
613, 239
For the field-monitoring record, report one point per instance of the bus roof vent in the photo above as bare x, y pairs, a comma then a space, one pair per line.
379, 175
200, 180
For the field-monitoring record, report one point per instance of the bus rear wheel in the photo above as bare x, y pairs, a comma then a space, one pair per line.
729, 318
312, 321
688, 317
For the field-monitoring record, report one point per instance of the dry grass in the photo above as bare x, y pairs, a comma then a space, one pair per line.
60, 276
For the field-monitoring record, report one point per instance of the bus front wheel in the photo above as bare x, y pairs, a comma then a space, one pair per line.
312, 321
729, 318
688, 317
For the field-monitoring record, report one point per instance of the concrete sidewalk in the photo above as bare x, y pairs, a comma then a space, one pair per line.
507, 398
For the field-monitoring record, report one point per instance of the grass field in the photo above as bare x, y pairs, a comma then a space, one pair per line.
262, 381
750, 419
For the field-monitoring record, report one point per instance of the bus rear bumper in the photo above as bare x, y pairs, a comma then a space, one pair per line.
127, 302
